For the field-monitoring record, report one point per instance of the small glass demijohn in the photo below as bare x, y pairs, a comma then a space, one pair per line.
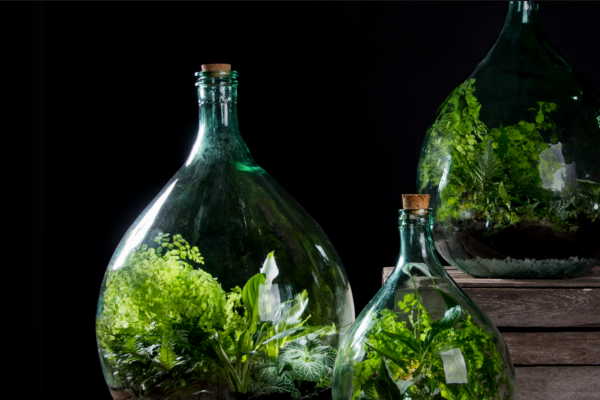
224, 287
511, 161
421, 337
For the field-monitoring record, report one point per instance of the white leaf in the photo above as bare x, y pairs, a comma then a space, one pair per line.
420, 266
269, 300
270, 269
295, 313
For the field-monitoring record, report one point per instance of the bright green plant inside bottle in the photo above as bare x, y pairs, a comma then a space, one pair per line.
167, 323
417, 357
421, 337
503, 174
510, 161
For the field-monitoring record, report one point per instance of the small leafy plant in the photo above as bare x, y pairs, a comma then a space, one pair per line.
449, 358
505, 174
167, 326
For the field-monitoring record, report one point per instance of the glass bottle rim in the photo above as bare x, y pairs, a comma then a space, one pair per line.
216, 78
216, 74
416, 211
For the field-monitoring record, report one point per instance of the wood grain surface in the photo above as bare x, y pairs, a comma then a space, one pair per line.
590, 280
549, 308
558, 383
553, 348
551, 365
562, 303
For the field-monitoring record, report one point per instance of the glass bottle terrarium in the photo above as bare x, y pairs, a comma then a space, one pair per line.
421, 337
224, 287
511, 162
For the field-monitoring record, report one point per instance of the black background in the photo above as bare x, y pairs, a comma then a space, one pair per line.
334, 101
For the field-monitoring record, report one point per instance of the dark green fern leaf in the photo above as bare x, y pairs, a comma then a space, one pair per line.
486, 166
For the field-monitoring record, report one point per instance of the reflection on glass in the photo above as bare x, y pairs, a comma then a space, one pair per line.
511, 161
422, 337
224, 288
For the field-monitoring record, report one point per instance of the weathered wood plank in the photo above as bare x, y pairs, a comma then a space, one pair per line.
554, 383
590, 280
531, 307
385, 274
559, 348
508, 307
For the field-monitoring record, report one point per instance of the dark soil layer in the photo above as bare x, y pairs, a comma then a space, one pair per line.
526, 249
216, 394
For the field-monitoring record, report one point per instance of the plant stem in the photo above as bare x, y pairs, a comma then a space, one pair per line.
418, 324
230, 367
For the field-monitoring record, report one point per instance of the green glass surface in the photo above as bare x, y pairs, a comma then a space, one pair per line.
421, 336
224, 287
511, 161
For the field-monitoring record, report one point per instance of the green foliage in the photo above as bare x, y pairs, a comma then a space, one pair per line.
485, 168
167, 325
166, 356
310, 361
250, 300
268, 381
450, 319
385, 386
404, 359
301, 367
497, 174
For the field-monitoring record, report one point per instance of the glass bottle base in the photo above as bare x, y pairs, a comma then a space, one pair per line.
524, 250
215, 395
527, 268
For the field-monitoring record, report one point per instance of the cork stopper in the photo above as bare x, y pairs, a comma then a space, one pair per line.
415, 201
216, 67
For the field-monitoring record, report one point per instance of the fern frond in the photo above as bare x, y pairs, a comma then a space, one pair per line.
502, 192
166, 356
486, 166
562, 204
527, 210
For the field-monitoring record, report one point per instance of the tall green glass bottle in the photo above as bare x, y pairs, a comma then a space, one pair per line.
421, 337
224, 287
511, 161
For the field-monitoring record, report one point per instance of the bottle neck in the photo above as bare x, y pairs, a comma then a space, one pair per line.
218, 133
522, 23
523, 14
523, 47
416, 243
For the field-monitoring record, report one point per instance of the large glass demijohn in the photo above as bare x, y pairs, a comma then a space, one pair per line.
421, 337
224, 287
511, 161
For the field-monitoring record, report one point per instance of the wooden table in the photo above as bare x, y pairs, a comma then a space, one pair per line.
551, 327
